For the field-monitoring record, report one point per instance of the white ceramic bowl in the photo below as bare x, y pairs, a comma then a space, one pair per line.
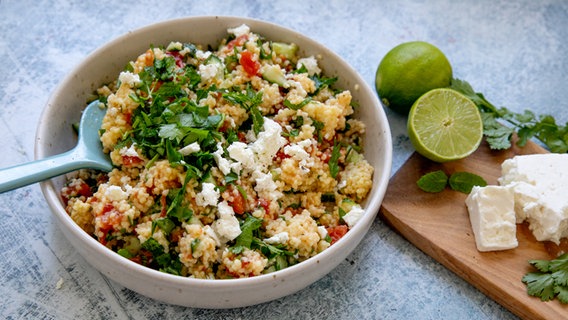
103, 65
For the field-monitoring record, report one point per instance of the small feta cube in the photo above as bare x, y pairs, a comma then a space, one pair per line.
353, 216
492, 217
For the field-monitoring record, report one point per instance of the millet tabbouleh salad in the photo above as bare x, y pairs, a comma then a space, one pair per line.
227, 164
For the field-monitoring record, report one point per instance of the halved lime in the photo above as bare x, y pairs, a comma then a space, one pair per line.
444, 125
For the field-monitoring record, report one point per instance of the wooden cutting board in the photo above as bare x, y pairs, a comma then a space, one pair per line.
438, 224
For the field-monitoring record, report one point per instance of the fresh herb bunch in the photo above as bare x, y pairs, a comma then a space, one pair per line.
526, 125
551, 279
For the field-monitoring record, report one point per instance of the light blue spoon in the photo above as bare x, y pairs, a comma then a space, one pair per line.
88, 153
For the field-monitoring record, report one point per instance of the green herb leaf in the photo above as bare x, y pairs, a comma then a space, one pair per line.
465, 181
334, 160
318, 125
561, 293
249, 225
297, 106
165, 224
125, 253
540, 285
322, 82
435, 181
551, 279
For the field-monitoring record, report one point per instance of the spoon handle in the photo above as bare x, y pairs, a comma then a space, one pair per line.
38, 170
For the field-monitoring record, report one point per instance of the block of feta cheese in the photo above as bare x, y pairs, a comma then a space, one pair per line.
540, 184
492, 217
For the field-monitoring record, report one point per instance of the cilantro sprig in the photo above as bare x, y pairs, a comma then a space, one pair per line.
550, 281
499, 124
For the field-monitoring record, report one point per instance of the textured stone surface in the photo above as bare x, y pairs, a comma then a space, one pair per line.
513, 52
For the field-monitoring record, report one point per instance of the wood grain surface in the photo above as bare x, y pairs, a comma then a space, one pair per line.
438, 224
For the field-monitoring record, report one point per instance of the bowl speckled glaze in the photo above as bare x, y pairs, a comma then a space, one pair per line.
54, 135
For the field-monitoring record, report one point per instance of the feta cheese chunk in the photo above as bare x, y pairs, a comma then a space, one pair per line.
353, 216
492, 217
130, 79
539, 182
279, 238
311, 65
227, 226
190, 148
208, 195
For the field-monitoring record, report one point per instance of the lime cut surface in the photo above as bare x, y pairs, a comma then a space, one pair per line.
444, 125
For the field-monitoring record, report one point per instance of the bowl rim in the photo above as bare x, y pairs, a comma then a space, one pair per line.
372, 203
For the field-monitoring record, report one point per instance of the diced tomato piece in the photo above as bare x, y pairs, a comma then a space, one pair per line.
149, 57
180, 63
242, 136
176, 235
79, 189
237, 42
238, 203
249, 64
280, 155
109, 217
128, 117
163, 202
265, 204
337, 232
131, 160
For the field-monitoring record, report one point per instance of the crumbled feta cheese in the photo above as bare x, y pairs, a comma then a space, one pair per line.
492, 217
353, 216
298, 152
211, 233
266, 186
130, 79
225, 209
190, 148
322, 231
129, 152
227, 226
539, 182
59, 284
208, 195
209, 71
223, 164
268, 142
240, 30
115, 193
203, 55
240, 152
311, 65
279, 238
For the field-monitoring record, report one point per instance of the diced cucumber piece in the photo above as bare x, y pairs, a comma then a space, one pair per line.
288, 50
274, 74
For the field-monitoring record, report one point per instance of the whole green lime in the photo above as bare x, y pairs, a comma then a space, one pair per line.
408, 71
